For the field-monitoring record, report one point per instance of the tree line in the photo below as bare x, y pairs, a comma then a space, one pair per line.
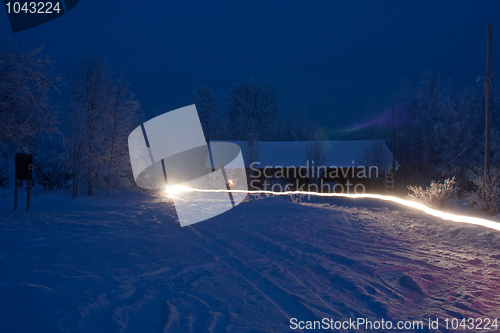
439, 131
77, 128
81, 143
251, 109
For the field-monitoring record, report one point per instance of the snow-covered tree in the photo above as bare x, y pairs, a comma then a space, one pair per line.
91, 100
302, 127
251, 156
102, 113
49, 160
375, 154
125, 115
315, 156
495, 128
252, 149
76, 137
438, 130
6, 176
253, 108
208, 111
26, 82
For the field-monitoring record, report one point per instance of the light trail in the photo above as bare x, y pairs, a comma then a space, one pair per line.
408, 203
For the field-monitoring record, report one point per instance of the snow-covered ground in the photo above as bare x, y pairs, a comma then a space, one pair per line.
124, 264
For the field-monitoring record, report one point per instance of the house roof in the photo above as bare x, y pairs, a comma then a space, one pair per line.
342, 153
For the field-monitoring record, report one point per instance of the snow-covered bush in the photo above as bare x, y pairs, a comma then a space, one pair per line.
436, 195
487, 191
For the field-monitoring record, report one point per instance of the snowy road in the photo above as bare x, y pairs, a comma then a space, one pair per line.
124, 264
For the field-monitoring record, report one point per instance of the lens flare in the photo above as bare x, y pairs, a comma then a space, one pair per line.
176, 189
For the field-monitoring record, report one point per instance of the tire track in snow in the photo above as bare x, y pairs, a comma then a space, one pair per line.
279, 254
284, 252
289, 305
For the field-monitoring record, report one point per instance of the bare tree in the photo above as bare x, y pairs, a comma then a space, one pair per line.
26, 80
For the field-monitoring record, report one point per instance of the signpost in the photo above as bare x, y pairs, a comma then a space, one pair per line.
24, 171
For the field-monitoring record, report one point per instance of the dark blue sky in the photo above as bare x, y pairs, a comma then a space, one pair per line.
332, 57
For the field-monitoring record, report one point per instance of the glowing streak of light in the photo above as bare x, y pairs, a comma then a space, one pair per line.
445, 216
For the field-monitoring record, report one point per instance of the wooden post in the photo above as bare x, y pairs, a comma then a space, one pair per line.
227, 182
29, 196
488, 106
24, 170
15, 193
393, 150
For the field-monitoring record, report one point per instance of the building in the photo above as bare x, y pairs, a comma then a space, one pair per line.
284, 165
